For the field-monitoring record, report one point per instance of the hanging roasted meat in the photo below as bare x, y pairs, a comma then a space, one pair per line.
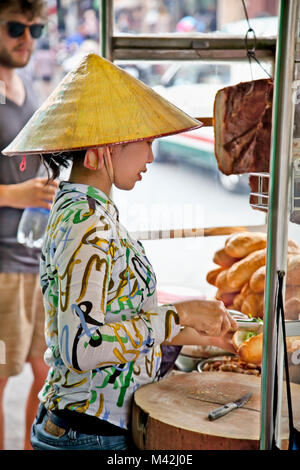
242, 125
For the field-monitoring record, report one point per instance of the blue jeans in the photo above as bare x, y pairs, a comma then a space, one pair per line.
72, 440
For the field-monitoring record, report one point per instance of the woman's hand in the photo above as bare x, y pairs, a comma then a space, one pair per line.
189, 336
207, 317
223, 342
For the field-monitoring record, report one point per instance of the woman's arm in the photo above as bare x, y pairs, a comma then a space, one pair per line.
189, 336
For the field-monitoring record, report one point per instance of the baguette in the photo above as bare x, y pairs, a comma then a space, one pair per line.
293, 270
222, 284
245, 290
248, 349
292, 309
241, 272
221, 258
212, 275
237, 302
292, 291
253, 305
240, 245
257, 280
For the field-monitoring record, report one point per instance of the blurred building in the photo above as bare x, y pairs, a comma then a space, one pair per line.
73, 28
232, 10
162, 16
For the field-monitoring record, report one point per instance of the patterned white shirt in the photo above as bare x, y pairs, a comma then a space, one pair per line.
103, 325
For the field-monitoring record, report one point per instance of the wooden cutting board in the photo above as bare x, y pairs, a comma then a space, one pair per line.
172, 414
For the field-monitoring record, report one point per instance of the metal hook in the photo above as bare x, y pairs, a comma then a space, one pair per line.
253, 50
250, 51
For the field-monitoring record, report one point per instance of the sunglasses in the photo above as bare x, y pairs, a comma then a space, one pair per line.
16, 30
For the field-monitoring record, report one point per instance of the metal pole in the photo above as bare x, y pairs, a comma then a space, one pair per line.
190, 47
106, 13
280, 168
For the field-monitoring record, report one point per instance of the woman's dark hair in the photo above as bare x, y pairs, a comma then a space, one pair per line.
30, 8
55, 162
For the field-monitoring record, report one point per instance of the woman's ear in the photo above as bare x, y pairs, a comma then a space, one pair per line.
93, 159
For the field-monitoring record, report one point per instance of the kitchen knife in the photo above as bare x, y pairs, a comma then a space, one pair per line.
223, 410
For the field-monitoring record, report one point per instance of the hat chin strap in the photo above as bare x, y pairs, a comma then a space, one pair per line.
108, 164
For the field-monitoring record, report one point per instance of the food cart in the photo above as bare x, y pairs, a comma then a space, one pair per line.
172, 414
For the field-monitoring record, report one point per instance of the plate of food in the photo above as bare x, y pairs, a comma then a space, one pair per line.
229, 364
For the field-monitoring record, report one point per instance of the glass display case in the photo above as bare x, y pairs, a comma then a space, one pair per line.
276, 200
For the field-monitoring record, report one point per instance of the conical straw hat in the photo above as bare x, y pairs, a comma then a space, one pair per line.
98, 104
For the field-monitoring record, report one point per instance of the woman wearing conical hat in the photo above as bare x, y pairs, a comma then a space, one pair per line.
104, 328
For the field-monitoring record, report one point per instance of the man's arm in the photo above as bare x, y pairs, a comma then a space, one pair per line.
31, 193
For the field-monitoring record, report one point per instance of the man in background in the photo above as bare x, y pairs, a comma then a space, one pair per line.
21, 307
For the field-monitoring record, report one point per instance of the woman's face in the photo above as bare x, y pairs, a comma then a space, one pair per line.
129, 162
